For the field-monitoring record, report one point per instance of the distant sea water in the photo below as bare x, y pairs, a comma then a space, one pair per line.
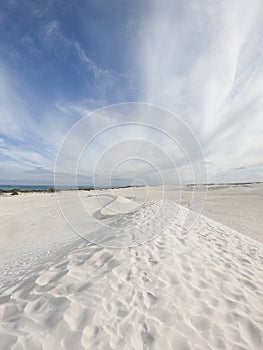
36, 187
46, 187
25, 187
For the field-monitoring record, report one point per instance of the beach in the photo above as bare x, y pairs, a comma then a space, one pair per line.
130, 274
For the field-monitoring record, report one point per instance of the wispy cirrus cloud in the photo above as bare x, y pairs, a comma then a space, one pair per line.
201, 60
204, 61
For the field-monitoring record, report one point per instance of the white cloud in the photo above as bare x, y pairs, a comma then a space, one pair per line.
25, 138
203, 60
51, 27
131, 141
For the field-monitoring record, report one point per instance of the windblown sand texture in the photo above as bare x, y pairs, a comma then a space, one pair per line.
145, 284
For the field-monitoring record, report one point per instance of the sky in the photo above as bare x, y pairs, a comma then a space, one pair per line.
63, 62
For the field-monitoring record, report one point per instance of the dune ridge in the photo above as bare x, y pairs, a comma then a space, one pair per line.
181, 290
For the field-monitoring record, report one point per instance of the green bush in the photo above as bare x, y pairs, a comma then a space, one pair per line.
51, 190
14, 192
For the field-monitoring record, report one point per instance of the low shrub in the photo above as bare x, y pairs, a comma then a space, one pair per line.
14, 192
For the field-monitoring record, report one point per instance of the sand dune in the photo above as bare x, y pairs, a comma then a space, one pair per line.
163, 288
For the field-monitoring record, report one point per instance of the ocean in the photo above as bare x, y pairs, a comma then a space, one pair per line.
39, 187
25, 187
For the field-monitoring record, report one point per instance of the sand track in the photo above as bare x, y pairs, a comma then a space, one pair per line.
197, 290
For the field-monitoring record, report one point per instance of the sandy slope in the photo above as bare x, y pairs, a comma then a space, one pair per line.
237, 206
197, 290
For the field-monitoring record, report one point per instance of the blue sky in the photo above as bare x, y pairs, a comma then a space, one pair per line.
61, 60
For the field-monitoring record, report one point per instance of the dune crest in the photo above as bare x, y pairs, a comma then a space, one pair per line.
200, 289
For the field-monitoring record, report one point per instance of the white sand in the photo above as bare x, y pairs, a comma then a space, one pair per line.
197, 290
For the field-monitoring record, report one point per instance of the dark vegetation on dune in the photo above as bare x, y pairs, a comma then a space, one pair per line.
16, 191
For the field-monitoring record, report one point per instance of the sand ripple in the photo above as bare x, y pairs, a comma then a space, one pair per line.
197, 290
